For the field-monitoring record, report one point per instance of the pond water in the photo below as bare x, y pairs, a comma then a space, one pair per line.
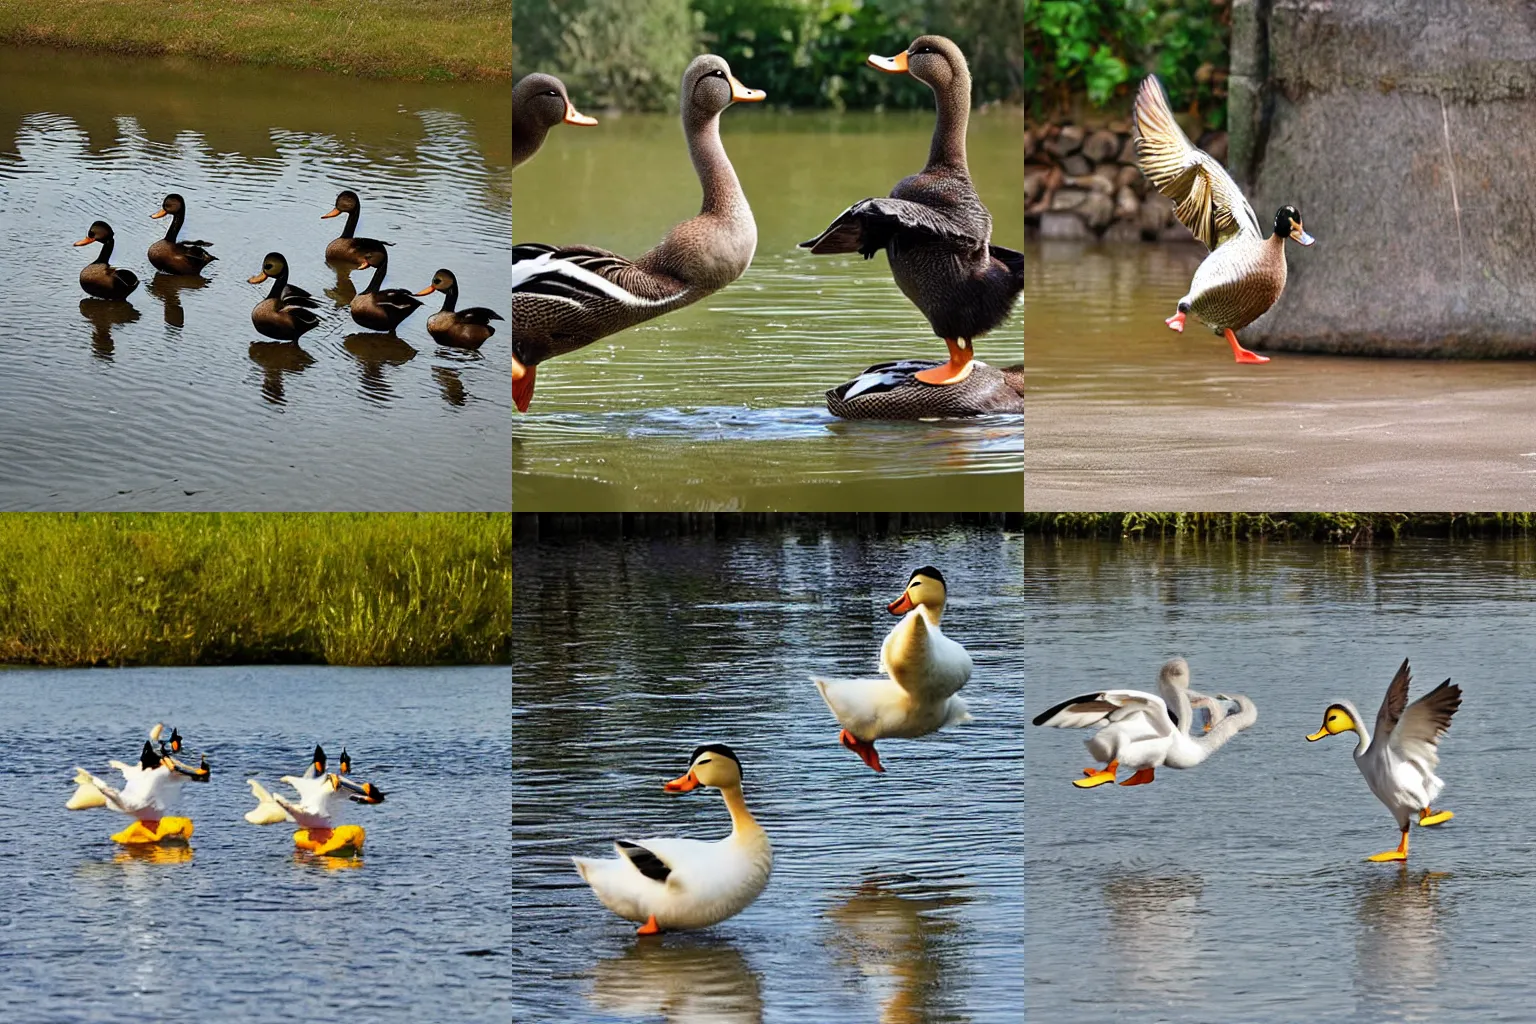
721, 405
242, 928
894, 897
171, 399
1124, 413
1238, 890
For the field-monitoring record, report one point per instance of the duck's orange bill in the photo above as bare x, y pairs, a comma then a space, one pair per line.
328, 216
157, 215
574, 116
901, 605
426, 291
896, 65
260, 277
83, 241
682, 785
741, 94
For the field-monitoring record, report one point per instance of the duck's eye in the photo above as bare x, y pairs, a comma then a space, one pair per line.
551, 92
705, 761
717, 73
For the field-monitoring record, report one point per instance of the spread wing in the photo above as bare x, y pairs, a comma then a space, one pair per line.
1207, 200
868, 226
1418, 731
580, 273
1092, 710
645, 862
1392, 705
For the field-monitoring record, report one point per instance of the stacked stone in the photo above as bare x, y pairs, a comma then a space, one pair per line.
1083, 183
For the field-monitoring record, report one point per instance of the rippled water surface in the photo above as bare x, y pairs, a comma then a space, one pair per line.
1238, 890
241, 928
894, 897
759, 355
171, 399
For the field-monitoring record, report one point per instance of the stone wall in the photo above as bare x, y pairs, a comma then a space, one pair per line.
1082, 182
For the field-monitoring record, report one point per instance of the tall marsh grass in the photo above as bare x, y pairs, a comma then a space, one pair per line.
230, 588
1335, 527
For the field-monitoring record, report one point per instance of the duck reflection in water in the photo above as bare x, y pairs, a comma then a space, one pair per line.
898, 938
373, 353
1399, 948
1154, 928
450, 385
168, 288
153, 853
683, 979
105, 314
278, 360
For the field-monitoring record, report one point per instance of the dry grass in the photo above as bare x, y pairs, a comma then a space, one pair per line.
1335, 527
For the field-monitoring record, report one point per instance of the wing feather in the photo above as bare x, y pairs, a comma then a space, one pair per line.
645, 861
1418, 731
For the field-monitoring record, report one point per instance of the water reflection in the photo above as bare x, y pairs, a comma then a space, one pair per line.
450, 385
683, 980
153, 853
1398, 949
373, 353
343, 291
897, 944
278, 360
1153, 928
168, 288
103, 315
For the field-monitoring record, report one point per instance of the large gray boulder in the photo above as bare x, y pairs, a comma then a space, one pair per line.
1405, 132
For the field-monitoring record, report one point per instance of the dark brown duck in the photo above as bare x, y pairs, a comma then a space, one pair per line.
382, 309
539, 102
288, 311
175, 257
100, 278
457, 328
347, 249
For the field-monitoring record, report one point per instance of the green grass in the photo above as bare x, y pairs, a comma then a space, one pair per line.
1335, 527
410, 39
244, 588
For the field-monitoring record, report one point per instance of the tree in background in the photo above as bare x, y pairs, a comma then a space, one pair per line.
627, 54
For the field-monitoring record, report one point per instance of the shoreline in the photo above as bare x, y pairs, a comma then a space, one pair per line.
1332, 527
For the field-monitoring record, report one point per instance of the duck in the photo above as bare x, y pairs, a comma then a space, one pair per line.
100, 278
681, 884
566, 297
322, 797
923, 670
1399, 762
462, 328
382, 309
933, 226
1145, 731
891, 391
539, 102
173, 257
151, 790
288, 311
1245, 272
347, 249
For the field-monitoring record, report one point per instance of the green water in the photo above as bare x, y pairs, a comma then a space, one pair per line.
720, 406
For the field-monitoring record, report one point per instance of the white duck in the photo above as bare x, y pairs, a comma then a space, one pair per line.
924, 669
150, 791
1145, 731
1399, 763
322, 798
687, 883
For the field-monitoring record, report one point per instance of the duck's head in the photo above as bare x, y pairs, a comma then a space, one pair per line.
100, 231
148, 759
714, 765
344, 763
925, 588
172, 204
442, 281
1175, 673
709, 87
932, 60
346, 202
1288, 225
543, 100
1338, 718
375, 258
272, 265
317, 760
360, 792
175, 741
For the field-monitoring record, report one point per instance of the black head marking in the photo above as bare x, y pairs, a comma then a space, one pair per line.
1285, 217
930, 572
319, 757
716, 748
148, 759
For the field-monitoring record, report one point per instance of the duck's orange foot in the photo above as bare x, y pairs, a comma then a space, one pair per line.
866, 751
1241, 354
953, 372
1177, 321
161, 830
1141, 778
341, 841
650, 927
522, 384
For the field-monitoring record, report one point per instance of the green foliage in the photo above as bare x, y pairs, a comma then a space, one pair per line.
1101, 48
1333, 527
611, 54
174, 589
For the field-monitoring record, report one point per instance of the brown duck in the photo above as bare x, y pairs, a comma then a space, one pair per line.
100, 278
564, 298
348, 249
382, 309
933, 226
462, 328
891, 391
539, 102
171, 256
288, 311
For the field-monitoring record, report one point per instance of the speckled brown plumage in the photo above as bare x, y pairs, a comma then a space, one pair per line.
891, 391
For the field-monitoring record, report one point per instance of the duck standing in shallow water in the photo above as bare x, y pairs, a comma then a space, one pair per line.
462, 328
539, 102
151, 790
171, 256
288, 311
565, 298
933, 226
1245, 272
378, 308
1399, 762
100, 278
671, 884
347, 249
924, 670
322, 798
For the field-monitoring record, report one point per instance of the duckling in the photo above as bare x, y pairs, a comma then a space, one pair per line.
464, 328
382, 310
169, 255
99, 278
287, 313
347, 249
686, 883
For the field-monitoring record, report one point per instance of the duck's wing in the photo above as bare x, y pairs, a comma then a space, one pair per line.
1208, 201
580, 274
645, 861
479, 315
868, 226
1091, 710
1416, 736
267, 810
397, 298
1392, 707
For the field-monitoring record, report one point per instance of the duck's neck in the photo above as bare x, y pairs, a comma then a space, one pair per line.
954, 105
450, 297
931, 613
105, 255
378, 276
175, 228
527, 136
742, 822
279, 280
351, 224
722, 192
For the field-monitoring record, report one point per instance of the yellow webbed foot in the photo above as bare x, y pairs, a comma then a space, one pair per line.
341, 841
1382, 858
1094, 780
166, 830
1434, 818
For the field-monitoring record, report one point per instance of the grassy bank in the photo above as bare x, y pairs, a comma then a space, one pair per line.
532, 527
1334, 527
410, 39
239, 588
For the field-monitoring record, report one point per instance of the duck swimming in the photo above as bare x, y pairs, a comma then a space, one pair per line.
288, 311
892, 391
150, 791
347, 249
933, 226
100, 278
1399, 762
169, 255
463, 328
672, 884
539, 102
924, 670
382, 309
322, 798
